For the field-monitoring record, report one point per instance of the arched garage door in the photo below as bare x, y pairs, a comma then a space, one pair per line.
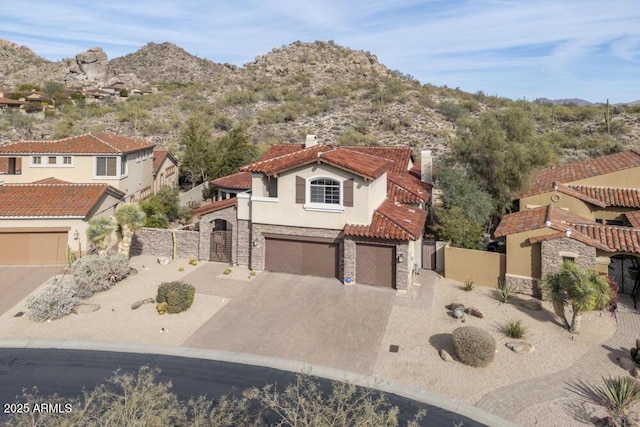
33, 247
287, 254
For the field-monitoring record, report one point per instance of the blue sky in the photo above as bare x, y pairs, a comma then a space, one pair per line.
586, 49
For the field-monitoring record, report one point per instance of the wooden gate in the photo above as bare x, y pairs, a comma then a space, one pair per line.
429, 255
220, 246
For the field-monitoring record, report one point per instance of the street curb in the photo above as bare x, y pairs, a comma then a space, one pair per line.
452, 405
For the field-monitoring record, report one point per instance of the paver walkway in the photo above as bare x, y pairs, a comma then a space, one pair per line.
600, 361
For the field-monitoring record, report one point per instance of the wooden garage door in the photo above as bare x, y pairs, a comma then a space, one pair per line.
302, 257
33, 248
376, 265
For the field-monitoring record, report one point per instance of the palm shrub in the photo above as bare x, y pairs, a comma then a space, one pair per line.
178, 296
95, 273
473, 346
56, 299
553, 289
130, 218
99, 233
617, 395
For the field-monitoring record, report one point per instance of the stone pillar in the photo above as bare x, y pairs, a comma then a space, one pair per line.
403, 281
349, 259
243, 242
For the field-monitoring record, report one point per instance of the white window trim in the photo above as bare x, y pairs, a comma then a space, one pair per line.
34, 164
107, 177
262, 199
124, 158
323, 207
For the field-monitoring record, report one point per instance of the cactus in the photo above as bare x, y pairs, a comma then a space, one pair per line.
607, 118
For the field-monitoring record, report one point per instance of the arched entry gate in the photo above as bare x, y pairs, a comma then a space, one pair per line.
221, 244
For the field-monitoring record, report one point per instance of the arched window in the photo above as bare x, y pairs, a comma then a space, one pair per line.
324, 190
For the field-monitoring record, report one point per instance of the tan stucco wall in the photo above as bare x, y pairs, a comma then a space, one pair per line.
575, 206
367, 196
484, 268
523, 258
627, 178
162, 178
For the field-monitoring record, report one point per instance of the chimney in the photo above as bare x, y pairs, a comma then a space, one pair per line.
311, 141
426, 164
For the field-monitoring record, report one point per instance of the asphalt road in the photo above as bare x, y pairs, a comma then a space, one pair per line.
66, 372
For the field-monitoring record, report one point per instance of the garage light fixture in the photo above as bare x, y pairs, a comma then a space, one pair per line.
400, 259
76, 235
256, 242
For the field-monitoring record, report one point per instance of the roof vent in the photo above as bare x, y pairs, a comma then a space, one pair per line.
547, 223
311, 141
555, 185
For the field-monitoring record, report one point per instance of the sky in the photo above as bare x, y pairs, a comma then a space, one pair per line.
520, 49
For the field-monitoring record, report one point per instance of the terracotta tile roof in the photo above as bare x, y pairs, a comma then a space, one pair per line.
392, 220
278, 150
533, 219
543, 179
51, 180
401, 156
213, 207
634, 218
52, 199
611, 196
89, 143
236, 181
158, 159
9, 101
407, 188
615, 239
362, 164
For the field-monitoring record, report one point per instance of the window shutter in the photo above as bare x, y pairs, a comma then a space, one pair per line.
300, 184
347, 197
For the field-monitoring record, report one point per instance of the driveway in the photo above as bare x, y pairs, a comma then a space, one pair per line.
18, 282
311, 319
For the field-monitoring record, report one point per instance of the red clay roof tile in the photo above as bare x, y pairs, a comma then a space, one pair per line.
213, 207
236, 181
611, 196
89, 143
392, 220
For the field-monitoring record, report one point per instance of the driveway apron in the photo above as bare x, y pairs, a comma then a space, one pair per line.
18, 282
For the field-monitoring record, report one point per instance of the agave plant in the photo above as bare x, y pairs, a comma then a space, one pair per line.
617, 395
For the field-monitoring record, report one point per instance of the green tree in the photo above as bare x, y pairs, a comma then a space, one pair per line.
457, 229
585, 290
199, 148
99, 233
232, 151
130, 218
162, 208
56, 91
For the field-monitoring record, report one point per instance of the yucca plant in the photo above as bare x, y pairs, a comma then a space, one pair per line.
617, 395
514, 329
505, 291
99, 233
468, 285
130, 218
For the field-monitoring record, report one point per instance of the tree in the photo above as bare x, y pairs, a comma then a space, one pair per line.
585, 289
232, 151
456, 228
130, 218
199, 148
162, 207
99, 233
553, 289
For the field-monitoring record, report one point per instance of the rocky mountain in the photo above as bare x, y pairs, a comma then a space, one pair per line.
342, 95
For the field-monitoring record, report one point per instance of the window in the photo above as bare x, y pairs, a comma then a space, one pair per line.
66, 160
37, 160
325, 191
106, 166
273, 187
139, 156
52, 160
123, 165
570, 259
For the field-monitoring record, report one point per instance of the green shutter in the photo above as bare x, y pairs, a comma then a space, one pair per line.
347, 197
300, 189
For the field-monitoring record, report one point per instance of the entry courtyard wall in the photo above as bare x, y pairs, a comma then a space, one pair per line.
484, 268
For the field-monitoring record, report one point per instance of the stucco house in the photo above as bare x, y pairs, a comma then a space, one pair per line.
353, 213
587, 212
165, 169
98, 157
38, 220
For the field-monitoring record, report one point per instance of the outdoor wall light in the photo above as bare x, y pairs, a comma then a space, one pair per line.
400, 259
76, 235
256, 242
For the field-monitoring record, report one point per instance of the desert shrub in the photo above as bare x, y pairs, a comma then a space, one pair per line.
505, 290
178, 295
618, 395
56, 299
473, 346
514, 329
95, 273
468, 285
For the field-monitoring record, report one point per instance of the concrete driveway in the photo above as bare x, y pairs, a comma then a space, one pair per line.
18, 282
311, 319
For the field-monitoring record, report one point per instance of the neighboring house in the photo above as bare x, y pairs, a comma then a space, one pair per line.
587, 212
354, 213
165, 169
99, 157
39, 220
6, 103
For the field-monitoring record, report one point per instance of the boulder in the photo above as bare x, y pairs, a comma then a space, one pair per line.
458, 313
93, 63
473, 311
163, 260
626, 363
444, 355
532, 304
635, 372
520, 347
454, 305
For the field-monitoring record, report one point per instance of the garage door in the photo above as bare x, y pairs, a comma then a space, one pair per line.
33, 248
375, 265
302, 257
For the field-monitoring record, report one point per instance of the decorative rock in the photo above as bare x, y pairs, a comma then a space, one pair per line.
86, 308
473, 311
163, 260
454, 305
635, 372
532, 304
458, 313
626, 363
520, 347
444, 355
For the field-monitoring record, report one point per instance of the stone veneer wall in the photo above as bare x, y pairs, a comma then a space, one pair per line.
551, 258
258, 250
206, 225
159, 242
243, 242
523, 285
349, 259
